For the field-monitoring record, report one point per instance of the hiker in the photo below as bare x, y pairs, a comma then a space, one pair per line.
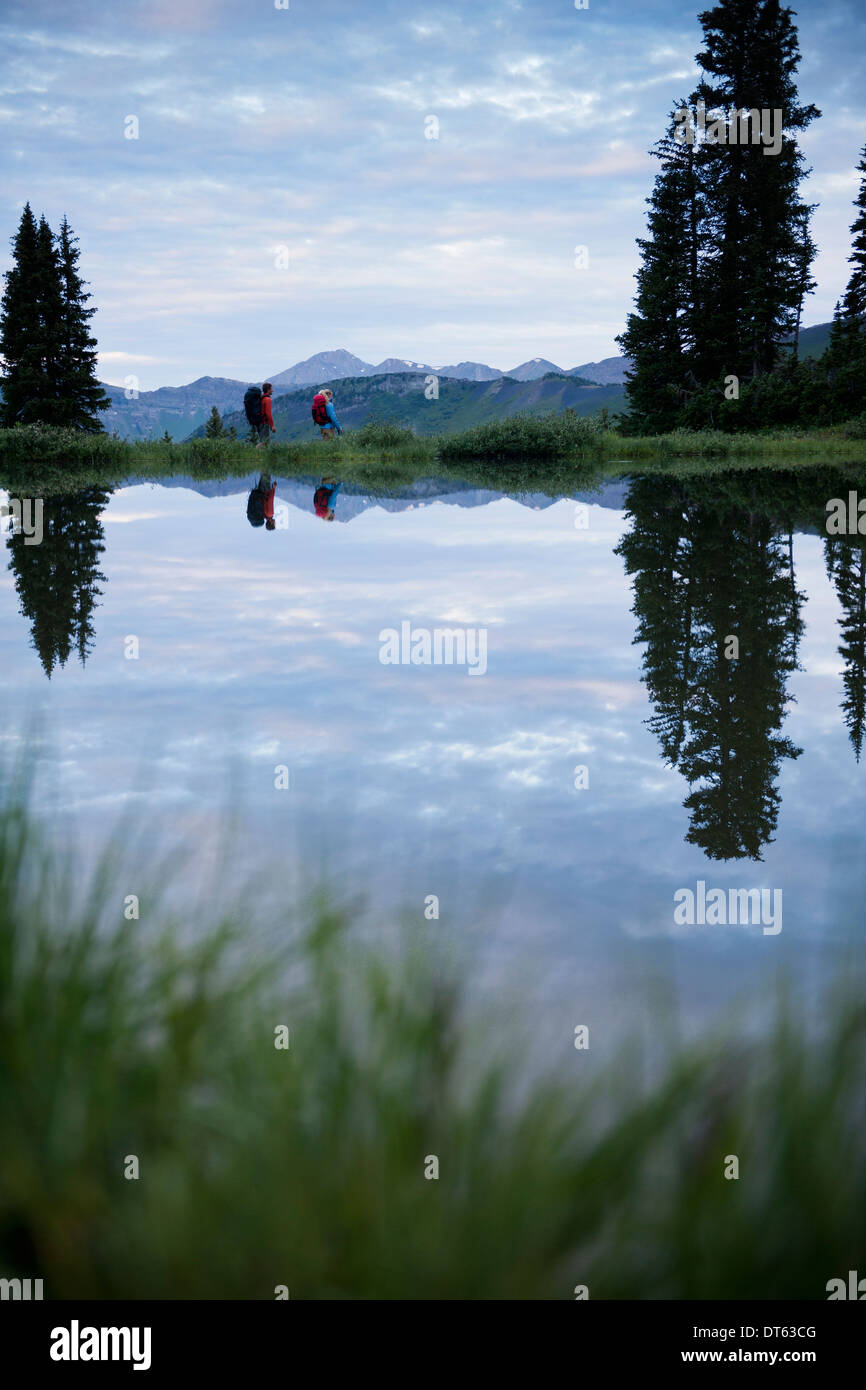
324, 414
267, 427
257, 408
260, 503
323, 498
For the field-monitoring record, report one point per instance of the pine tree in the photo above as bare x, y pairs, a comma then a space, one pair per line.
45, 341
166, 438
752, 268
48, 406
23, 378
82, 393
727, 260
854, 300
214, 427
660, 334
845, 358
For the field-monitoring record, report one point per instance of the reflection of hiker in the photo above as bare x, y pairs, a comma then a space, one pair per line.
324, 414
323, 498
260, 503
257, 408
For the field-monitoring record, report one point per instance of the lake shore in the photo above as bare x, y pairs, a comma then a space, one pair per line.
48, 460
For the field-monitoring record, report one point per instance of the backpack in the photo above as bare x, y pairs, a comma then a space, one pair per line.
253, 405
256, 507
320, 410
321, 500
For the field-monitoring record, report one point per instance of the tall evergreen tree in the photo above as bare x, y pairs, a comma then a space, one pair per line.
845, 358
660, 333
752, 268
20, 317
83, 396
854, 300
732, 214
48, 406
48, 352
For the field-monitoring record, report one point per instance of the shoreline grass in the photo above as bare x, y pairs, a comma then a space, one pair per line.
54, 460
305, 1166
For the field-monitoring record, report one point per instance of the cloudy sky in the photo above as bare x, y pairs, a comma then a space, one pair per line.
282, 196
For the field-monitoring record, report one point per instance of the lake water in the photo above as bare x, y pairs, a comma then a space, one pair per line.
556, 802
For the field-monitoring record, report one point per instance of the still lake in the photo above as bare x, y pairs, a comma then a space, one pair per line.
554, 803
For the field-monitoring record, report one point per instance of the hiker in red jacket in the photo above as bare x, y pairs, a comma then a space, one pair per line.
260, 503
270, 523
267, 427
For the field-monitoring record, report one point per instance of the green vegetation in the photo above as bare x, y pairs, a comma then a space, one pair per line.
214, 427
387, 436
262, 1166
553, 437
548, 454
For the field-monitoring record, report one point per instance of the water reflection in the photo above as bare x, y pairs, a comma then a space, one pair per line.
57, 581
260, 503
718, 608
846, 566
325, 498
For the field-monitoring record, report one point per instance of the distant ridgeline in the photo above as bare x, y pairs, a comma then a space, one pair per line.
433, 405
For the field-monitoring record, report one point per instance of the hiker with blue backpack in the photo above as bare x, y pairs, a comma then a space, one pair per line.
324, 498
324, 414
257, 408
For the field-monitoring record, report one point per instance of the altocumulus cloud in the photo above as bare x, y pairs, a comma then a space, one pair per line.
304, 129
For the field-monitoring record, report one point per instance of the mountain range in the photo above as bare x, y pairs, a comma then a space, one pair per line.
182, 410
402, 397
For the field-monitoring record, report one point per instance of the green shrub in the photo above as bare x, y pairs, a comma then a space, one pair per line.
52, 444
525, 436
382, 434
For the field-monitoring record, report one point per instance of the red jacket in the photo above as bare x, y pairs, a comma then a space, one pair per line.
267, 413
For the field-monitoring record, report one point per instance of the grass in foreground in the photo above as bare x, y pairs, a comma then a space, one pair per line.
261, 1167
